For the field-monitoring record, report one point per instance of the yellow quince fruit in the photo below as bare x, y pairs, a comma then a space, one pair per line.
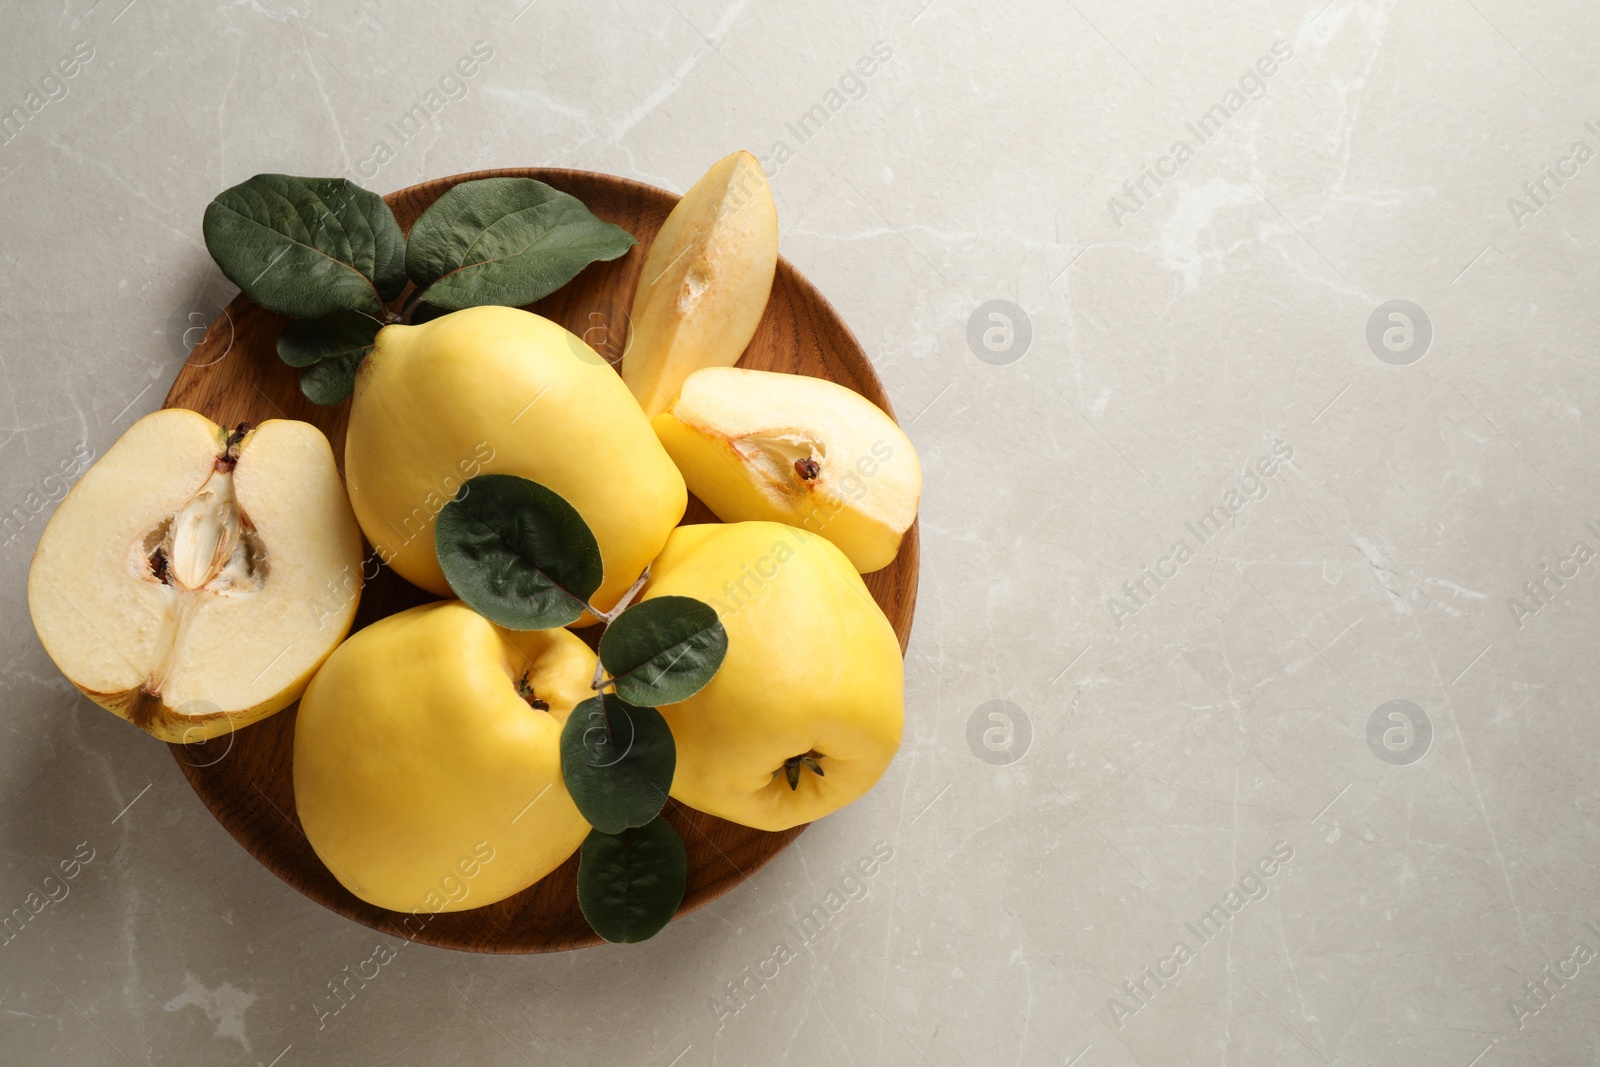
501, 390
807, 709
427, 758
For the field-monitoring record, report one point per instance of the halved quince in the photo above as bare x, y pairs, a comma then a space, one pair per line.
195, 578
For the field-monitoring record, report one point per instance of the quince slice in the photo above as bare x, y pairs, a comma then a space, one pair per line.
705, 283
805, 451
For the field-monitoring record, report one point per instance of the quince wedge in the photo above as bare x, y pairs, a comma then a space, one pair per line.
705, 282
756, 444
807, 710
501, 390
427, 760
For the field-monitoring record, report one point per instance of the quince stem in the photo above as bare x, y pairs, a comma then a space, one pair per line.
607, 618
230, 448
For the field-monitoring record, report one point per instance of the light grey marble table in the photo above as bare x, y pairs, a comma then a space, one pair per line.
1252, 712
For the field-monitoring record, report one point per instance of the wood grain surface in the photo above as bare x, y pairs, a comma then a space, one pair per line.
245, 778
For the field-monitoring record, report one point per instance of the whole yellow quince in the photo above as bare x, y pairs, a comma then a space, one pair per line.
427, 758
806, 712
501, 390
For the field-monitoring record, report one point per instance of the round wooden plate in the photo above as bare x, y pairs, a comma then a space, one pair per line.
234, 375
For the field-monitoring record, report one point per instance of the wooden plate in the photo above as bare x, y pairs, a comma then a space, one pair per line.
234, 376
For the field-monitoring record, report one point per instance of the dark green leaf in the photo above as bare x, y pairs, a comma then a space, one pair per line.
342, 334
630, 884
517, 553
329, 382
505, 241
307, 247
617, 761
331, 350
663, 650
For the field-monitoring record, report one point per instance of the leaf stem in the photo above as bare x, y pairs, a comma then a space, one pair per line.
608, 617
412, 301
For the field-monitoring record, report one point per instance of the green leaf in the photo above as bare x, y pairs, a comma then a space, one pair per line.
663, 650
331, 349
307, 247
505, 241
344, 333
617, 762
517, 553
329, 382
630, 884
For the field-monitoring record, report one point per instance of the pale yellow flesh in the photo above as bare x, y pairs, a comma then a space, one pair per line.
812, 666
503, 391
737, 434
226, 640
415, 757
705, 283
